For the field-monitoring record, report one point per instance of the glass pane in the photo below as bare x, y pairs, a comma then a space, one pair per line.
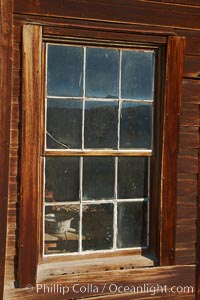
97, 227
64, 124
62, 179
102, 72
136, 125
137, 75
132, 177
132, 224
61, 229
64, 71
98, 178
101, 119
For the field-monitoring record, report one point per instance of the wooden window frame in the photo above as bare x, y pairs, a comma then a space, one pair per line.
170, 53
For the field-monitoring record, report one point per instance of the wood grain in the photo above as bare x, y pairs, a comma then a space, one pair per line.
198, 231
175, 276
183, 2
144, 12
191, 91
5, 98
160, 19
175, 56
29, 195
192, 66
187, 164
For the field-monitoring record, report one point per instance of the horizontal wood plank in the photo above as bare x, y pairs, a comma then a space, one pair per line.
99, 153
192, 66
115, 11
101, 32
187, 187
189, 140
169, 276
188, 164
186, 233
183, 2
191, 91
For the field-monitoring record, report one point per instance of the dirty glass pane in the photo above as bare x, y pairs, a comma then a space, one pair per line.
137, 76
102, 72
98, 178
62, 179
61, 229
97, 227
132, 224
64, 71
64, 121
101, 120
132, 177
136, 125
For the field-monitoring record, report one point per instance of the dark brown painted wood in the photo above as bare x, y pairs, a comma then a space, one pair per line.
29, 195
175, 56
5, 100
144, 12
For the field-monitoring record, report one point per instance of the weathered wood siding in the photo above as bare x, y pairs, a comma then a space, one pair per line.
179, 16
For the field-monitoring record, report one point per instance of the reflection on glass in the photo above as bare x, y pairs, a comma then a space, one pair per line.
136, 125
102, 72
101, 124
97, 227
62, 179
98, 178
132, 224
64, 71
137, 75
64, 120
61, 228
132, 177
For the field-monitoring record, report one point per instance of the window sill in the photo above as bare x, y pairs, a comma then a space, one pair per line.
52, 269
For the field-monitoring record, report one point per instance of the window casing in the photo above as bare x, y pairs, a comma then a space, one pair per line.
161, 241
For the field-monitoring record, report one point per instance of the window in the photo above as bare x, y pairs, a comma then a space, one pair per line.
99, 148
99, 104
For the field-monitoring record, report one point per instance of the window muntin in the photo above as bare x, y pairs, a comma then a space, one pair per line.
88, 205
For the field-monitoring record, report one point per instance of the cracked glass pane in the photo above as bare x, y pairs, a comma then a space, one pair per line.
64, 124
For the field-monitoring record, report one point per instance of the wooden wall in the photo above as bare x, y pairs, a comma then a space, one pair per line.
181, 17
